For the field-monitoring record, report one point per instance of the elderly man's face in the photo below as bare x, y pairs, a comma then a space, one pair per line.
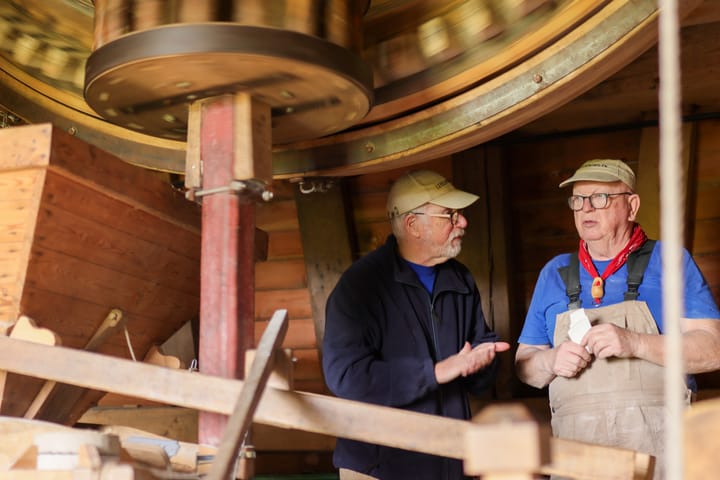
604, 223
442, 239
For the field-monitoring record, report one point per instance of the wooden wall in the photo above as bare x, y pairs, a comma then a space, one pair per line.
538, 221
281, 282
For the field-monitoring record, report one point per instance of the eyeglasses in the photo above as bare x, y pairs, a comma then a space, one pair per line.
597, 200
453, 216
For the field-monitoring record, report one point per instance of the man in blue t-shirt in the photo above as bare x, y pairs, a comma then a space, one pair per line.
599, 347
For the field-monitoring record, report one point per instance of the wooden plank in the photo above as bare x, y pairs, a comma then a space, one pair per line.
250, 395
504, 425
183, 454
301, 333
26, 329
701, 442
280, 274
278, 215
20, 195
26, 146
307, 364
252, 139
296, 301
147, 190
112, 322
589, 461
485, 252
74, 277
284, 244
648, 179
16, 434
323, 221
172, 422
370, 207
267, 438
284, 409
116, 249
116, 472
94, 204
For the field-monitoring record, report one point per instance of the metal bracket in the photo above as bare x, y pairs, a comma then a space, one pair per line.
250, 187
309, 185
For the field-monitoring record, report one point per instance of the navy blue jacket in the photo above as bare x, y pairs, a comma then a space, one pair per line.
384, 333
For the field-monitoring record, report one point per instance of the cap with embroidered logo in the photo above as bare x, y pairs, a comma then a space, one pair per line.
419, 187
603, 170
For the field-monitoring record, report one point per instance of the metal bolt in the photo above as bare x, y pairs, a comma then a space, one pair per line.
537, 78
369, 147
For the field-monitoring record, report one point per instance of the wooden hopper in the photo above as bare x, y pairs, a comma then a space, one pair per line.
83, 233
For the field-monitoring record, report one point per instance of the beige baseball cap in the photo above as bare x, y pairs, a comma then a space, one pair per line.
419, 187
603, 170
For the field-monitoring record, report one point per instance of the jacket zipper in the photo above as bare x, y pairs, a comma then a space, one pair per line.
436, 346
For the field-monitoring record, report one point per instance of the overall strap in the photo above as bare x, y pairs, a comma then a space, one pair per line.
636, 264
571, 277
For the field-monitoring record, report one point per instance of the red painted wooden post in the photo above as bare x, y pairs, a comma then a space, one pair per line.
227, 303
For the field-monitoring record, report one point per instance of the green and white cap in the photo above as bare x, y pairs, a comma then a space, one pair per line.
603, 170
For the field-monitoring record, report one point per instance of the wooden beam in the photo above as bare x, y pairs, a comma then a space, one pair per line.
250, 395
173, 422
702, 440
26, 329
585, 460
285, 409
482, 171
112, 322
505, 425
233, 131
648, 178
324, 220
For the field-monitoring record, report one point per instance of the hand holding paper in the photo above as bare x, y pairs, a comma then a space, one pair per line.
579, 325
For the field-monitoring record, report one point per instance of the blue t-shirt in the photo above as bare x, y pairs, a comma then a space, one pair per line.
426, 275
549, 298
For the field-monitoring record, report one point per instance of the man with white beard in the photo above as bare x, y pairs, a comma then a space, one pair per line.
404, 328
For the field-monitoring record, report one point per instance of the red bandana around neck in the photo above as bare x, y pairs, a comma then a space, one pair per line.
637, 238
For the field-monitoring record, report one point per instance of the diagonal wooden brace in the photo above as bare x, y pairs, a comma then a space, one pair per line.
252, 390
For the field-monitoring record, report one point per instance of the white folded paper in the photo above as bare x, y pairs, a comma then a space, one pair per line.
579, 325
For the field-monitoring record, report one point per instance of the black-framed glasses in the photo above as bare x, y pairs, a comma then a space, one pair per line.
453, 216
597, 200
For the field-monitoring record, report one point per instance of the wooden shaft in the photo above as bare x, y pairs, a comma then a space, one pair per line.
227, 267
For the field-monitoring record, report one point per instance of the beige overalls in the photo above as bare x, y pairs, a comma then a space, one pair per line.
615, 401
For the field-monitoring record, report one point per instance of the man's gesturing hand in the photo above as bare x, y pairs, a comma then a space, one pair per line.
468, 360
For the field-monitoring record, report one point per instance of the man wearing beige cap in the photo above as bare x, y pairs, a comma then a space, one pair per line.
593, 328
404, 328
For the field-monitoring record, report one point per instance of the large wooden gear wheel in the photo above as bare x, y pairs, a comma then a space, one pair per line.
446, 76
